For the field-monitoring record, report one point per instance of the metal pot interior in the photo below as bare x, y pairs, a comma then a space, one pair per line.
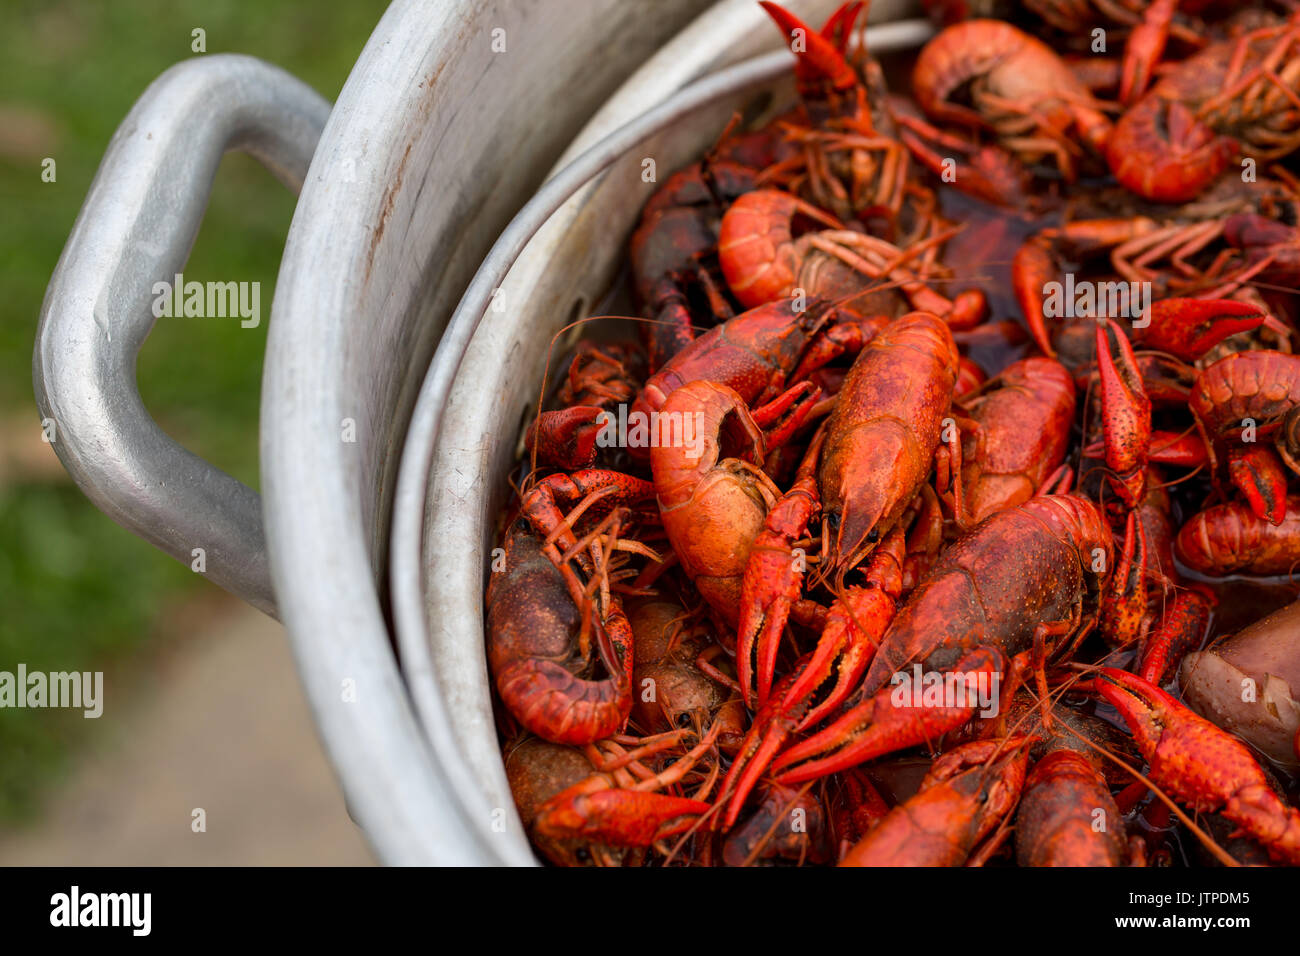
568, 269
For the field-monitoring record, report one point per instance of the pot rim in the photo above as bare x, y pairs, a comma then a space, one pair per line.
350, 347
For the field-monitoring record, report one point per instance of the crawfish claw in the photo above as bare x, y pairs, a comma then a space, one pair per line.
821, 59
880, 725
1188, 328
1126, 412
1202, 765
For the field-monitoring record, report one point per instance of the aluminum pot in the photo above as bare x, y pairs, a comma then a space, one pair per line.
435, 140
448, 122
485, 380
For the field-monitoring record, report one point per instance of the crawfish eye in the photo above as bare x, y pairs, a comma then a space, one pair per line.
833, 519
873, 535
582, 855
1289, 436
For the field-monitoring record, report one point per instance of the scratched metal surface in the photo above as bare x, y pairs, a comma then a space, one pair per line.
434, 143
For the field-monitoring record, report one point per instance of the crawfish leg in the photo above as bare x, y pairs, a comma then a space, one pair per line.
542, 505
784, 415
1058, 482
949, 465
1038, 656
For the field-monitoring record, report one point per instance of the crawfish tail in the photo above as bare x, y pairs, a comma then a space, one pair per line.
532, 623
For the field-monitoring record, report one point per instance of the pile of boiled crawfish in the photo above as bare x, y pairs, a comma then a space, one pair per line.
913, 465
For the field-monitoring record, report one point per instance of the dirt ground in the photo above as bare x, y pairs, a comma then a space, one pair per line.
217, 720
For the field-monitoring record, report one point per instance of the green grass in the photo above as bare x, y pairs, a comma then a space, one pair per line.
77, 592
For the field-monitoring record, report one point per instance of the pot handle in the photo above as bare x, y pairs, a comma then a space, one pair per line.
135, 230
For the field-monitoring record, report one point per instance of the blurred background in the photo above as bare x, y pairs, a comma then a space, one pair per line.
202, 706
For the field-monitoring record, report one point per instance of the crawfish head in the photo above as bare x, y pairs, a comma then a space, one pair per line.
961, 802
592, 824
684, 696
884, 431
787, 824
537, 771
588, 821
1038, 563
